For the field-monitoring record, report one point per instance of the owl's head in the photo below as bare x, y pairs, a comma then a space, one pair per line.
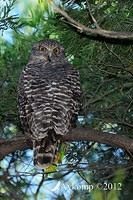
47, 51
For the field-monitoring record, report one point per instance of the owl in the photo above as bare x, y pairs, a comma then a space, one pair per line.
49, 96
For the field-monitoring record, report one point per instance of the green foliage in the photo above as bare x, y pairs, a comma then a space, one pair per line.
8, 20
106, 70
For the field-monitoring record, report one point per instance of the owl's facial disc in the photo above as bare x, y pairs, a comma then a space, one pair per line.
49, 53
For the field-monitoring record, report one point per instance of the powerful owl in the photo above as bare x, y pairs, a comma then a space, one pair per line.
48, 99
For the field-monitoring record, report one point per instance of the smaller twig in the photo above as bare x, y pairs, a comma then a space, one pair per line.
126, 110
39, 186
125, 124
100, 98
115, 67
92, 17
92, 99
114, 173
115, 55
83, 177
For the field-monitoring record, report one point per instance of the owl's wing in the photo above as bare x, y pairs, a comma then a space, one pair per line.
22, 104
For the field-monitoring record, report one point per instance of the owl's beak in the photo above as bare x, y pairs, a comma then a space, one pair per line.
49, 55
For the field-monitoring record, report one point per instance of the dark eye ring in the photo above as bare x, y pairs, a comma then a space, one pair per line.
56, 50
41, 48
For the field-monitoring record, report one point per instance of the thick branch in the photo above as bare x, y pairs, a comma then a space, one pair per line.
11, 145
92, 32
79, 134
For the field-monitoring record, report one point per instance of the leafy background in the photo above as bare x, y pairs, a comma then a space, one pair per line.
106, 70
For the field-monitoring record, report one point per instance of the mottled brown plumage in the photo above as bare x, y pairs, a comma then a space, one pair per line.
48, 99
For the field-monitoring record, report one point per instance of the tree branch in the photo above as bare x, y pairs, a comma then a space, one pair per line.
11, 145
92, 32
78, 134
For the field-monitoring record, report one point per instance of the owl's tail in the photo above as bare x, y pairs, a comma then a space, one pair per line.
45, 152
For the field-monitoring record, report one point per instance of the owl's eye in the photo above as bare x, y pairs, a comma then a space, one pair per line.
56, 50
41, 48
